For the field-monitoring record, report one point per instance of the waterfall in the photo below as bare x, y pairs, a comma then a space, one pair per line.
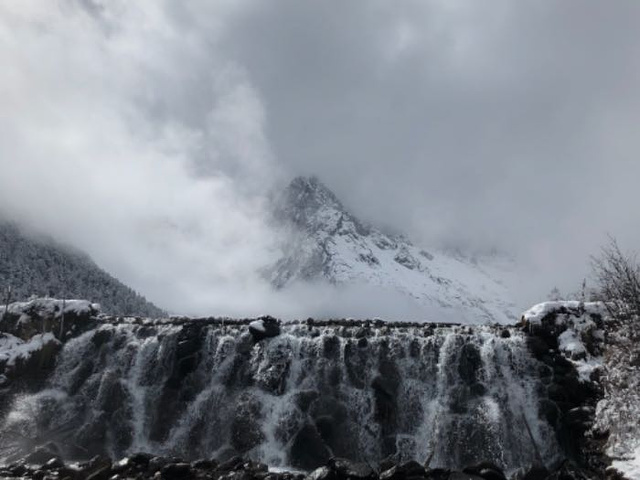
452, 394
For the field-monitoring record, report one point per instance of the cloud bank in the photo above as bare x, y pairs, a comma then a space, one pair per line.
148, 133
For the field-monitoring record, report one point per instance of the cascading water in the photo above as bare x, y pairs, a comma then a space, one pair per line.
451, 394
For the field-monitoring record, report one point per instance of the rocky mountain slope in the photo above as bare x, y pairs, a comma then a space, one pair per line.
39, 266
328, 243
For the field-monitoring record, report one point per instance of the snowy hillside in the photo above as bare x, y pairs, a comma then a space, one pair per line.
36, 266
328, 243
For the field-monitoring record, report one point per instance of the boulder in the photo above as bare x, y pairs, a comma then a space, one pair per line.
322, 473
405, 470
176, 471
264, 327
349, 470
486, 470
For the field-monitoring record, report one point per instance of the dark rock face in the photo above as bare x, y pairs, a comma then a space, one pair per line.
568, 402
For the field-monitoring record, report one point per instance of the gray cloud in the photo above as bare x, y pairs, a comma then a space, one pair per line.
147, 133
507, 124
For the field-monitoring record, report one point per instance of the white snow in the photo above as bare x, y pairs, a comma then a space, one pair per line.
12, 348
258, 325
536, 313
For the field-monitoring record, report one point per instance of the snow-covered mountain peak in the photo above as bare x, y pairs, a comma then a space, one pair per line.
329, 243
309, 205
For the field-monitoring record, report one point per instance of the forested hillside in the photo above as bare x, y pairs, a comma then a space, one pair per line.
41, 267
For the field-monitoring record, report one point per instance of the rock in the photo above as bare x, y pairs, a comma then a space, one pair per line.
157, 463
486, 470
141, 459
204, 464
308, 450
53, 464
505, 333
264, 327
18, 470
305, 398
351, 470
579, 416
232, 464
245, 426
438, 474
405, 470
469, 364
42, 454
322, 473
175, 470
388, 463
536, 472
98, 468
463, 476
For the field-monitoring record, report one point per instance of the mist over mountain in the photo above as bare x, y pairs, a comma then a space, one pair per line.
31, 265
327, 243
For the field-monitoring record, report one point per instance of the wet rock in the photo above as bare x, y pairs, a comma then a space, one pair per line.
549, 411
264, 327
305, 398
175, 471
18, 470
98, 468
388, 463
406, 470
308, 449
486, 470
245, 426
322, 473
351, 470
536, 472
141, 459
463, 476
204, 464
273, 378
438, 474
230, 465
331, 346
469, 363
42, 454
53, 464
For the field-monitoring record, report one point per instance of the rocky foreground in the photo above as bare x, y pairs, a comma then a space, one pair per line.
44, 464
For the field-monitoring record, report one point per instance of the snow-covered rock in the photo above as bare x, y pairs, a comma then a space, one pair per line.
264, 327
578, 328
14, 350
328, 243
62, 318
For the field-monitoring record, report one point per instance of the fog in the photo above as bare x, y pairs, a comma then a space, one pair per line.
150, 133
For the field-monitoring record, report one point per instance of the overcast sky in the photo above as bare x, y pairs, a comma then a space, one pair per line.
148, 132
